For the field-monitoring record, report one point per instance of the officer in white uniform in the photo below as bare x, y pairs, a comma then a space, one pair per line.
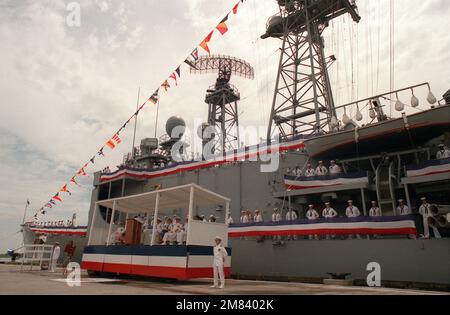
170, 236
443, 152
178, 230
310, 172
375, 211
335, 169
329, 213
55, 257
312, 215
220, 254
403, 209
352, 212
425, 211
321, 170
291, 215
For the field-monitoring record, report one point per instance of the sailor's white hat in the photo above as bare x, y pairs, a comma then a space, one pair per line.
350, 201
373, 202
423, 198
218, 238
327, 203
311, 206
401, 200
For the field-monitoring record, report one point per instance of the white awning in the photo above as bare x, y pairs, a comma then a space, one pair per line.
170, 199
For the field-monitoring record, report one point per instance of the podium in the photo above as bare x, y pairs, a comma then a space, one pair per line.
133, 232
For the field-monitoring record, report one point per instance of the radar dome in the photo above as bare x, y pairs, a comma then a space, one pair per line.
175, 127
209, 134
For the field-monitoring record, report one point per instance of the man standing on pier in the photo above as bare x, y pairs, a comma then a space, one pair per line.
220, 254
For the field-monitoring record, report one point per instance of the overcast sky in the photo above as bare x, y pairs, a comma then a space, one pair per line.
65, 90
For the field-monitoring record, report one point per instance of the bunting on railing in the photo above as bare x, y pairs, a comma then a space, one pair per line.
222, 28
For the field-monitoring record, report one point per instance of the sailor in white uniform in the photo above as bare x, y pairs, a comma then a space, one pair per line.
321, 170
230, 219
258, 216
55, 257
335, 169
276, 217
312, 215
298, 172
243, 218
220, 254
310, 172
425, 211
352, 212
329, 213
375, 211
443, 152
291, 216
403, 209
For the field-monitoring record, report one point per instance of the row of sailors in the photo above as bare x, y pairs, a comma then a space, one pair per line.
320, 170
328, 212
54, 224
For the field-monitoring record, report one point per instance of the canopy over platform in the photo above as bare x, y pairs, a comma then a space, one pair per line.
169, 199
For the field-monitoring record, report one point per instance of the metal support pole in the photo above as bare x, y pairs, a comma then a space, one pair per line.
94, 212
363, 199
155, 219
111, 222
408, 198
190, 214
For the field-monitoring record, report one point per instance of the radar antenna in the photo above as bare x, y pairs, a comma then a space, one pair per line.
303, 100
222, 97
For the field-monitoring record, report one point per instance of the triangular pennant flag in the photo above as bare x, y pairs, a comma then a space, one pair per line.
222, 27
194, 54
74, 181
52, 202
113, 142
64, 189
154, 98
204, 43
93, 160
178, 71
56, 197
174, 76
235, 9
166, 85
44, 212
49, 205
100, 153
82, 172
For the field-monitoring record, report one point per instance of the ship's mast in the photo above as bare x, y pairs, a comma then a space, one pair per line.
303, 100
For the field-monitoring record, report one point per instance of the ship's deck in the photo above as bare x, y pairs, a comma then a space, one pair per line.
14, 281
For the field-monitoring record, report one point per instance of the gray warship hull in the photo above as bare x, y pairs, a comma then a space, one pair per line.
402, 260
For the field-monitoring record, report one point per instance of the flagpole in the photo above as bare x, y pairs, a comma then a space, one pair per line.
135, 123
25, 212
157, 118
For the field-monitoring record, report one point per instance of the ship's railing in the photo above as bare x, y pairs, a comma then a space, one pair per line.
386, 106
40, 254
